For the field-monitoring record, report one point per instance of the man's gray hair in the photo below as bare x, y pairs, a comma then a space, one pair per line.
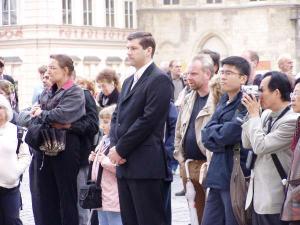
206, 61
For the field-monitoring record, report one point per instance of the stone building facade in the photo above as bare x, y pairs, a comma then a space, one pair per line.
92, 32
184, 27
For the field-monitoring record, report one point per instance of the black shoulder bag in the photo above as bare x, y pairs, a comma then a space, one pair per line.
90, 195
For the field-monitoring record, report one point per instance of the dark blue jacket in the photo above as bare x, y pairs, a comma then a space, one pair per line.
220, 134
169, 138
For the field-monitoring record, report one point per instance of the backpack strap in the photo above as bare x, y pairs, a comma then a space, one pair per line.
20, 133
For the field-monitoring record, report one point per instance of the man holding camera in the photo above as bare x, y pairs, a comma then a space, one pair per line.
269, 135
219, 136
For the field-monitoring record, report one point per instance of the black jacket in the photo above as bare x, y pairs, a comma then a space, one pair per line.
86, 127
138, 123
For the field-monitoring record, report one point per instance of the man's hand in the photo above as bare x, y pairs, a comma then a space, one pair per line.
252, 105
114, 157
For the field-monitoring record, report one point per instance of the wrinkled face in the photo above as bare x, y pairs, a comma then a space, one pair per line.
295, 98
106, 87
197, 77
267, 97
137, 56
231, 79
3, 116
46, 81
105, 125
286, 65
55, 72
176, 70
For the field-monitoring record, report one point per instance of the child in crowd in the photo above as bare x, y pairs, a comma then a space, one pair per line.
110, 211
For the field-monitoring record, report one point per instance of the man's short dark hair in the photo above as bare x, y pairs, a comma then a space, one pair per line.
146, 40
281, 82
241, 64
1, 62
215, 56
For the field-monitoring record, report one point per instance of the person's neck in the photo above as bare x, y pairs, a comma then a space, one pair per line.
2, 124
203, 91
232, 94
61, 83
279, 106
145, 63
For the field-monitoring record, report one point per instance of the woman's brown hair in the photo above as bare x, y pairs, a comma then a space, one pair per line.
64, 61
110, 76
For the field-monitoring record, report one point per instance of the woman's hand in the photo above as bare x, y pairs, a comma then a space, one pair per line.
101, 156
92, 156
36, 111
252, 105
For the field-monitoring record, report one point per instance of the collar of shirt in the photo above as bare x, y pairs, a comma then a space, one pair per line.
68, 84
140, 72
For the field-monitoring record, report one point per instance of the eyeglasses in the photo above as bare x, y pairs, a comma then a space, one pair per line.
294, 94
228, 73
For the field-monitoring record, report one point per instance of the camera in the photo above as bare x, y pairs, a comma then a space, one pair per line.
250, 90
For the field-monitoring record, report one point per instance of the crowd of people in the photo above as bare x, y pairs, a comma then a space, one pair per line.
203, 122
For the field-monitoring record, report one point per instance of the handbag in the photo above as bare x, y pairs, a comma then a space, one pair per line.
90, 195
238, 190
34, 136
54, 140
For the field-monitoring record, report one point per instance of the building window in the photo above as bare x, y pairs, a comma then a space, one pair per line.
171, 2
110, 13
9, 12
213, 1
128, 14
87, 12
67, 11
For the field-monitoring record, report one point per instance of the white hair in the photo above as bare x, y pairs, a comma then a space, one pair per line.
6, 105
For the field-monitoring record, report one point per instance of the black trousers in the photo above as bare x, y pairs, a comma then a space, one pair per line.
56, 185
142, 201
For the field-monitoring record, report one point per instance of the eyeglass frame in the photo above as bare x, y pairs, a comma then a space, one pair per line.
293, 95
228, 73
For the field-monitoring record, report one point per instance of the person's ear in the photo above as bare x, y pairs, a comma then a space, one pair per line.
244, 79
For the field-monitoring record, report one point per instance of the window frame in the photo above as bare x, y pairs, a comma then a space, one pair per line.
110, 13
87, 12
67, 12
9, 13
128, 12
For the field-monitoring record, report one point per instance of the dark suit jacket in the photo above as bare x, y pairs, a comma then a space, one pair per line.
138, 123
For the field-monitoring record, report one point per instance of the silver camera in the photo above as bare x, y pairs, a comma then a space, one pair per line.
250, 90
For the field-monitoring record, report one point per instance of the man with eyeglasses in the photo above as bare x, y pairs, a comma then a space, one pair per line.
219, 136
269, 134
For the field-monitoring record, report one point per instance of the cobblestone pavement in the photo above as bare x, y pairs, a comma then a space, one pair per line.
179, 205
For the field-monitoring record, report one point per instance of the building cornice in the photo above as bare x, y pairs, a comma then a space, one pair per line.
61, 32
215, 7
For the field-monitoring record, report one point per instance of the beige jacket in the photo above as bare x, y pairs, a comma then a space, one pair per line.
183, 121
265, 188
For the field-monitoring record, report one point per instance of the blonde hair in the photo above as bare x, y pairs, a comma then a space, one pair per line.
107, 112
6, 87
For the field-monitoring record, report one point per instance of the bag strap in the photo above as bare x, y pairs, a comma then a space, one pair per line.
20, 133
275, 158
279, 168
100, 170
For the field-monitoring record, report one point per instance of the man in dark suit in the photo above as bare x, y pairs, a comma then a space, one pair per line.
137, 136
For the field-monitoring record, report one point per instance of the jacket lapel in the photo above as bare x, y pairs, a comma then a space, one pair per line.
142, 79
